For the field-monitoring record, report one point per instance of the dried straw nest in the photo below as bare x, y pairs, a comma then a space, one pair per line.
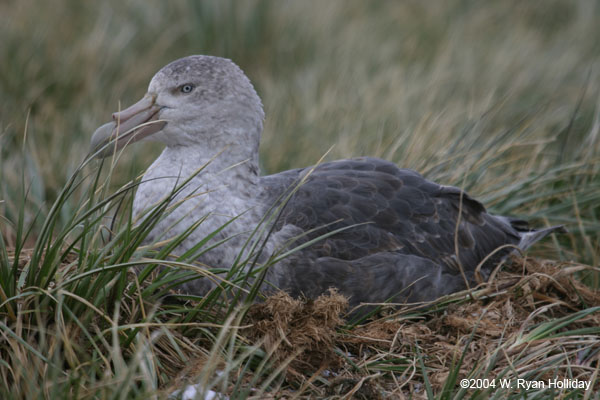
535, 320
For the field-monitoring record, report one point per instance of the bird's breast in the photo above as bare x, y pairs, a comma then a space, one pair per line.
216, 202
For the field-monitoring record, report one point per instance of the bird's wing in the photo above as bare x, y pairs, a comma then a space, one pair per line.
389, 210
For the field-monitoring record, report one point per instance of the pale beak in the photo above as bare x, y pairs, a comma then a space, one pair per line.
128, 126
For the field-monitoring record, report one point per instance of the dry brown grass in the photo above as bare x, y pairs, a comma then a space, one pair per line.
302, 329
491, 328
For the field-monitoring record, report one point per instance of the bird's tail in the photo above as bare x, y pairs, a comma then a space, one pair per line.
529, 238
528, 235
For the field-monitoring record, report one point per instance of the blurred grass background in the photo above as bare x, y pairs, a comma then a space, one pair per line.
500, 97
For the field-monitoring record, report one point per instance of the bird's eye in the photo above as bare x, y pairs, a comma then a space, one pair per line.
187, 88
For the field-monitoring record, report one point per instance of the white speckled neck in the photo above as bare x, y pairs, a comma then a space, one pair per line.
224, 189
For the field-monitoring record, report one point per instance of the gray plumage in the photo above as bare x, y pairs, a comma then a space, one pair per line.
406, 238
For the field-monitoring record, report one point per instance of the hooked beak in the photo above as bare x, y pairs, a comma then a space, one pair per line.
130, 125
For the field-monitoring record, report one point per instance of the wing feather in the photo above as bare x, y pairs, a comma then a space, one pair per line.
395, 210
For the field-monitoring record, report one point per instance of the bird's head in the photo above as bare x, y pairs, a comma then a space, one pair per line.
200, 101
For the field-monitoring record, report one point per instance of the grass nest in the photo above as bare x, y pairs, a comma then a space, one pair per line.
534, 320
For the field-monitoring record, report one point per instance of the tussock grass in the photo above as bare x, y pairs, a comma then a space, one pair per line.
501, 98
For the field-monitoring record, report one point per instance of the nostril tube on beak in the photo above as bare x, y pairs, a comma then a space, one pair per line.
130, 125
146, 102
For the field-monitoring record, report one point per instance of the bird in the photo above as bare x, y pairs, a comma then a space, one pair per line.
371, 230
